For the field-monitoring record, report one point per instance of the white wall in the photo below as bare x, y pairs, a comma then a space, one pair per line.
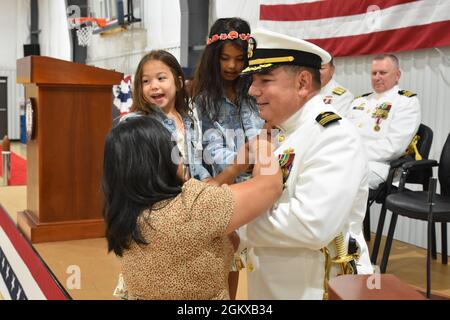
247, 10
54, 38
163, 22
8, 12
8, 54
54, 41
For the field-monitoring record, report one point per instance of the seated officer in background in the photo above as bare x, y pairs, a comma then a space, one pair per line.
386, 119
332, 92
324, 171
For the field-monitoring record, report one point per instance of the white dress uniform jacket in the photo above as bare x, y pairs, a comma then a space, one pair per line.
325, 194
338, 96
386, 135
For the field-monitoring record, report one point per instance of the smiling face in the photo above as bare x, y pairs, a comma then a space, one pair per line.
231, 62
277, 93
158, 85
385, 75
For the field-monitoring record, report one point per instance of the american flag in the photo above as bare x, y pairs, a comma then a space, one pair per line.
360, 27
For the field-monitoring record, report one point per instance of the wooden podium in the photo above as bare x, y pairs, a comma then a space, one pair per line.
72, 111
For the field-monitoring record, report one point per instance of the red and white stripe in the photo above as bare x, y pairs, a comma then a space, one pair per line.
359, 27
31, 273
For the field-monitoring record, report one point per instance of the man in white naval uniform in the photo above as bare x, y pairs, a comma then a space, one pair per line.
324, 168
387, 120
332, 92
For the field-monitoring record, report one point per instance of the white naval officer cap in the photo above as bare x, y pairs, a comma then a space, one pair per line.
268, 49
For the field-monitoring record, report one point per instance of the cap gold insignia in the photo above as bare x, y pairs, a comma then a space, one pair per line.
271, 60
256, 68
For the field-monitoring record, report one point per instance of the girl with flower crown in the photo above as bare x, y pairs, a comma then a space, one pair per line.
229, 116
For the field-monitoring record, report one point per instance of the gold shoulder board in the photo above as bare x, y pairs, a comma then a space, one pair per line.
325, 118
339, 91
407, 93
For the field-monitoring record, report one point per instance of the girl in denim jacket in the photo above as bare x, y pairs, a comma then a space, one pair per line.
228, 115
158, 91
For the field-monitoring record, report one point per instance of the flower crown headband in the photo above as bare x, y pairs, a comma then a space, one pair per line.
228, 36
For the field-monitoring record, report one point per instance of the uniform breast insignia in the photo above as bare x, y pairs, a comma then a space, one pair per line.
360, 107
339, 91
278, 135
285, 160
327, 99
407, 93
325, 118
381, 113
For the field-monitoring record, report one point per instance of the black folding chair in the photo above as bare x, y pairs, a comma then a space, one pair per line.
422, 205
379, 195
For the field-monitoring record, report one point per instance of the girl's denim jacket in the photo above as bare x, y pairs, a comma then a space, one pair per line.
192, 139
224, 135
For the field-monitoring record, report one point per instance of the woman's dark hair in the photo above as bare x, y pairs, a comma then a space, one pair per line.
207, 85
181, 99
138, 172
